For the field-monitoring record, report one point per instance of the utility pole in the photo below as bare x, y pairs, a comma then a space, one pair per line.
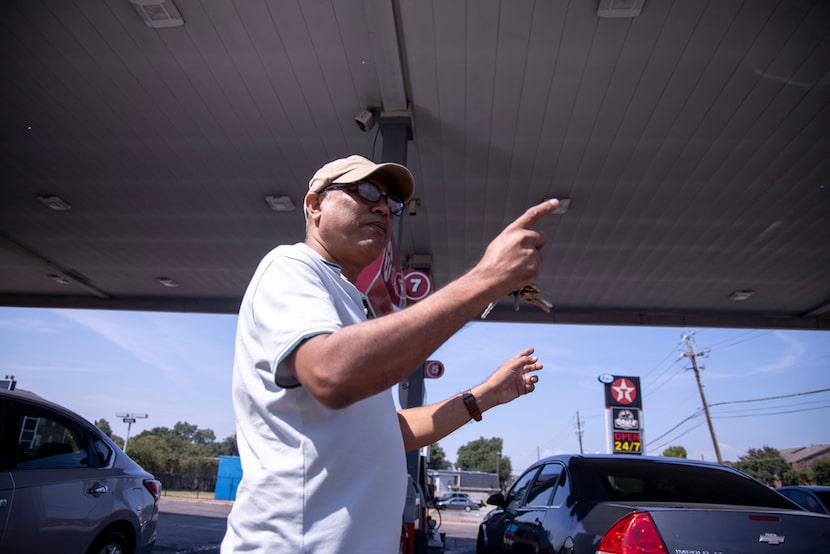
498, 467
692, 355
579, 431
129, 419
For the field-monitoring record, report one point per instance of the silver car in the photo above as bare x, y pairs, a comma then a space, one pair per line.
66, 487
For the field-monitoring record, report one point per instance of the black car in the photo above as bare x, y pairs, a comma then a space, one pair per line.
815, 498
617, 504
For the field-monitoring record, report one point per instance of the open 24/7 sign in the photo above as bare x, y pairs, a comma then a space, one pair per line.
627, 442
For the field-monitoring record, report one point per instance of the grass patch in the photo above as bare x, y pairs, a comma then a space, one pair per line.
187, 494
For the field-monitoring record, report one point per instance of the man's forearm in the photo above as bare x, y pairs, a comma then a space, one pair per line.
427, 425
362, 360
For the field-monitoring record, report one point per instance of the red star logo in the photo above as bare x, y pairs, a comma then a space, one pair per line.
624, 391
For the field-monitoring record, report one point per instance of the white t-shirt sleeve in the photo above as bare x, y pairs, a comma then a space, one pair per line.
290, 303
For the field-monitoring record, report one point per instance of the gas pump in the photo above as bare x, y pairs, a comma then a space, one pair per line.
418, 535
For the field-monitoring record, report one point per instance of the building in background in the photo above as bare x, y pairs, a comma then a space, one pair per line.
800, 457
478, 485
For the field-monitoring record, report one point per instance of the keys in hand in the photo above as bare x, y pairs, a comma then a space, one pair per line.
529, 294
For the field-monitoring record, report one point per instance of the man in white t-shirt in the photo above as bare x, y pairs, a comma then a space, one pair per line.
321, 444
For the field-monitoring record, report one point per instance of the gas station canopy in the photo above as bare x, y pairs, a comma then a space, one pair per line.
150, 165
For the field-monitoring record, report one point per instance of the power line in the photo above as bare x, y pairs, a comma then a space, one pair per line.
726, 343
774, 413
655, 388
655, 443
653, 447
725, 412
694, 415
771, 397
667, 356
693, 355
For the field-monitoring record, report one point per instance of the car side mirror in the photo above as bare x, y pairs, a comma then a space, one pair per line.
496, 500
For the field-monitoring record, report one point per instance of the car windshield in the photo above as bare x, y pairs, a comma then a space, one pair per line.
824, 496
642, 481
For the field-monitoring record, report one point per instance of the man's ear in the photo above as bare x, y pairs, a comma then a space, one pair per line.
312, 202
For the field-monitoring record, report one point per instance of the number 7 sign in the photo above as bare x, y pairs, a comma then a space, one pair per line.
418, 284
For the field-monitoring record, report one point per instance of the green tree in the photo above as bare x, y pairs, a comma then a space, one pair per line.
437, 458
168, 435
675, 452
485, 455
104, 426
765, 464
184, 455
183, 436
820, 470
152, 453
227, 447
185, 430
204, 436
799, 477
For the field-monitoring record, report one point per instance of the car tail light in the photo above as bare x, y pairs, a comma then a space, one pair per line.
633, 534
153, 486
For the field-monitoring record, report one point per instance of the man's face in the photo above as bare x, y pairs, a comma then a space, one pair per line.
352, 230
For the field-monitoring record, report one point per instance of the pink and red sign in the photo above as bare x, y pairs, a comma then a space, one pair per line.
382, 282
387, 287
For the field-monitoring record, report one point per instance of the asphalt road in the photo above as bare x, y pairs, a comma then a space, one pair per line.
197, 526
190, 526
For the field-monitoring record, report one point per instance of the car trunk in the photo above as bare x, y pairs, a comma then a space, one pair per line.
732, 530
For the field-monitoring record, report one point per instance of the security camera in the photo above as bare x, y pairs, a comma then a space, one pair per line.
365, 119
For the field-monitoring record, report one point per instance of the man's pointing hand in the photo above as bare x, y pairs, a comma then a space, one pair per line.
513, 258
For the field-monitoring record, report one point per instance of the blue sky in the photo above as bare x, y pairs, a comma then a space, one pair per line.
177, 367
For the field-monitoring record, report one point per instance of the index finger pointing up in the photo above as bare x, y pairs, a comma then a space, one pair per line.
534, 214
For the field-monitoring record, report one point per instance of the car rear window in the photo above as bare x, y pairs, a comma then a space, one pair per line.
644, 481
46, 443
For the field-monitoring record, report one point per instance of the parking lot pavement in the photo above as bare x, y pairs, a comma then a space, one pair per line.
188, 526
459, 537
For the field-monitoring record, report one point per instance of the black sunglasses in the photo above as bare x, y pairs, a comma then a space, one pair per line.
372, 193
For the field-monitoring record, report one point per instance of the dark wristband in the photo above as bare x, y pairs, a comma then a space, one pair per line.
472, 405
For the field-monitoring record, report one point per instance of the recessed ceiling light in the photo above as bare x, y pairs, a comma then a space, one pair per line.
620, 8
564, 206
740, 295
158, 13
59, 279
168, 282
54, 202
280, 203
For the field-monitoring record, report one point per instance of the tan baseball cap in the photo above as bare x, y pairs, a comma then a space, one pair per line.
354, 168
